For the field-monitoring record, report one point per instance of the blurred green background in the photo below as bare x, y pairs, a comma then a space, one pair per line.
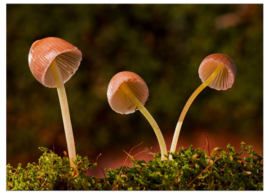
164, 44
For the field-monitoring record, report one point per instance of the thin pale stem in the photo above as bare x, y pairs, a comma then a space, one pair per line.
149, 117
65, 113
189, 102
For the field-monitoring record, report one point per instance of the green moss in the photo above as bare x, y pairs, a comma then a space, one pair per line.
191, 169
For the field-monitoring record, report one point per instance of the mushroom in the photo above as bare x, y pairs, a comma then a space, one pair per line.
217, 71
53, 61
128, 91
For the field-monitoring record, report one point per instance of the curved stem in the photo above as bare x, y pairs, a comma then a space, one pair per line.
65, 113
148, 116
188, 103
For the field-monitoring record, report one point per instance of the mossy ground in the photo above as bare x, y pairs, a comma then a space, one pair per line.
191, 169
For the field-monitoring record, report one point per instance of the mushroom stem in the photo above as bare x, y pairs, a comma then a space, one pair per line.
148, 116
188, 103
65, 113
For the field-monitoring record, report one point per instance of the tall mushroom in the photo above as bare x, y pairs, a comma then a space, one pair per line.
217, 71
53, 61
128, 91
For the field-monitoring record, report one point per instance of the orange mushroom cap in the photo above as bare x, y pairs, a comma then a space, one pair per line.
44, 51
118, 100
225, 78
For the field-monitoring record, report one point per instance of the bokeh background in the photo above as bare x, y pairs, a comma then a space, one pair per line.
164, 44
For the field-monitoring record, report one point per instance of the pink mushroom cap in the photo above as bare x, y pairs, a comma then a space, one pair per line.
225, 78
118, 100
44, 51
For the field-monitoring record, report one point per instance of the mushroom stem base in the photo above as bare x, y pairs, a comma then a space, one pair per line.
65, 113
148, 116
187, 105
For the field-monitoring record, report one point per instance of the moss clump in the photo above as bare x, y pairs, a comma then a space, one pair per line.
191, 169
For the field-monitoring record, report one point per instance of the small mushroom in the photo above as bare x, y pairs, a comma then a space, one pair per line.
217, 71
128, 91
53, 61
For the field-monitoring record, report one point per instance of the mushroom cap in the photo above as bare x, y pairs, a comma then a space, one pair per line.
118, 100
226, 76
44, 51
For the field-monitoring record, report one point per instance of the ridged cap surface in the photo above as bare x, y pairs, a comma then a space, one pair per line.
118, 100
225, 78
44, 51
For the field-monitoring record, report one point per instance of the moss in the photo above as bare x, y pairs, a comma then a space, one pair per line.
191, 169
